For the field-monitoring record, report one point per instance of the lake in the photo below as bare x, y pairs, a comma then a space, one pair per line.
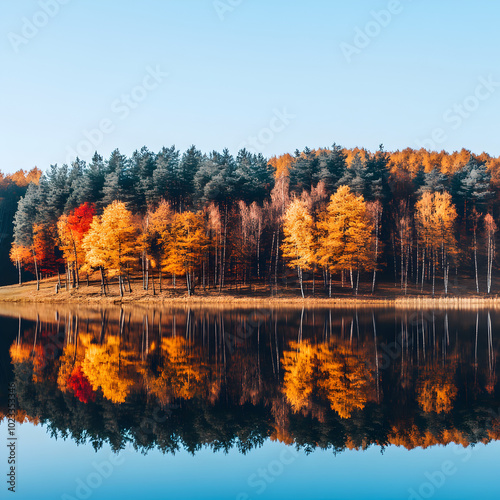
241, 403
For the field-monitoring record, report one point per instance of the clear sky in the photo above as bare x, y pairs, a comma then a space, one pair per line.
288, 73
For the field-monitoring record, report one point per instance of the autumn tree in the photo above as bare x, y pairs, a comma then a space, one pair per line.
111, 242
375, 209
490, 228
20, 256
44, 250
345, 234
156, 236
435, 217
71, 230
298, 243
185, 246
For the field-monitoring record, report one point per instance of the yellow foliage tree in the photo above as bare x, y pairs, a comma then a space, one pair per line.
185, 245
435, 217
345, 234
156, 234
298, 243
20, 256
112, 241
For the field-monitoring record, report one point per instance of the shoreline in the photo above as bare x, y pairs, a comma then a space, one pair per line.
90, 296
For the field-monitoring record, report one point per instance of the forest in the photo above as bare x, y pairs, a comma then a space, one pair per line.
316, 220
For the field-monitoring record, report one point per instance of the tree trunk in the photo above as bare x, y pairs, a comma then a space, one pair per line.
76, 266
258, 254
433, 274
223, 263
423, 269
36, 273
143, 270
277, 260
395, 263
475, 260
74, 275
299, 272
103, 286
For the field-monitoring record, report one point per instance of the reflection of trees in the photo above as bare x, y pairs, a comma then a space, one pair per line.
180, 376
185, 386
332, 372
299, 364
344, 379
436, 390
102, 366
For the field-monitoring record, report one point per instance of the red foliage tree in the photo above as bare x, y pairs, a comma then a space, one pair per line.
79, 220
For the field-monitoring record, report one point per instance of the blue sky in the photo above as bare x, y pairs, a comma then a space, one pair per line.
286, 73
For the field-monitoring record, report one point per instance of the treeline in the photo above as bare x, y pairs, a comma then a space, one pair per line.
12, 188
322, 215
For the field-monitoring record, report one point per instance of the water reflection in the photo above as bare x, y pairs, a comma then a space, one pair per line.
335, 379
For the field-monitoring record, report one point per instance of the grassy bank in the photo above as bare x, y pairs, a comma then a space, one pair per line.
386, 295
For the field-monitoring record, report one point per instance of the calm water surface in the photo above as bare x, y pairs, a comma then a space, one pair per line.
240, 403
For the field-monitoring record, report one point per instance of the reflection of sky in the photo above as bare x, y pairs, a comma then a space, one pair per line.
48, 469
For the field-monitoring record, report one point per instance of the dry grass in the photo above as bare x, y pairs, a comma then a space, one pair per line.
387, 295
